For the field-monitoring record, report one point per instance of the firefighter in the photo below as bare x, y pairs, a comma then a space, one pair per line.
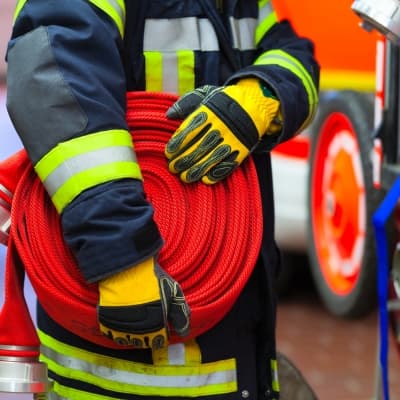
247, 83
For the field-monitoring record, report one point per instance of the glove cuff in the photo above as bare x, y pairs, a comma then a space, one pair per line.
135, 285
261, 109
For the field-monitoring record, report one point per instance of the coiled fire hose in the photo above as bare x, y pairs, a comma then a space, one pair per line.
212, 233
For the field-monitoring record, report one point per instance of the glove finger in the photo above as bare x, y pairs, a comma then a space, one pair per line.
200, 169
221, 171
183, 136
179, 315
189, 102
177, 309
195, 153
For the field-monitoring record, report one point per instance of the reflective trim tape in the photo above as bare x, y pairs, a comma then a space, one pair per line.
115, 9
285, 60
154, 71
18, 8
171, 72
266, 19
169, 46
125, 376
243, 30
275, 377
187, 353
87, 161
186, 81
189, 33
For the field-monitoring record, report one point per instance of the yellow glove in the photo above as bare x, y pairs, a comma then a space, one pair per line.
136, 305
222, 126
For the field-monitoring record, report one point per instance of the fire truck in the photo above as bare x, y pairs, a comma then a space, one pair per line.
327, 179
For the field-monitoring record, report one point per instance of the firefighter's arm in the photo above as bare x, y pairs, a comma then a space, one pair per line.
286, 63
66, 97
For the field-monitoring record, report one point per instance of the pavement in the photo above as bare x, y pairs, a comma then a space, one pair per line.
338, 357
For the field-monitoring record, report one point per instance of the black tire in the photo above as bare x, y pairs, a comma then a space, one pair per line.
345, 278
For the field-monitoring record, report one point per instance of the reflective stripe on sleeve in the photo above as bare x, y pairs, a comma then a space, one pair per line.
117, 375
275, 378
266, 18
74, 166
115, 9
18, 8
285, 60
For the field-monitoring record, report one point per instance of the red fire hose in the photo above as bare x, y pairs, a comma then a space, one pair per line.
212, 233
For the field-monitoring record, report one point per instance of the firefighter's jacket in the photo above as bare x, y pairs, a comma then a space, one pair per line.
70, 64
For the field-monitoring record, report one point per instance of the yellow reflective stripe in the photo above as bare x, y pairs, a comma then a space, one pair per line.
67, 393
267, 18
186, 79
193, 353
285, 60
125, 376
153, 67
18, 8
87, 161
81, 145
275, 378
92, 177
115, 9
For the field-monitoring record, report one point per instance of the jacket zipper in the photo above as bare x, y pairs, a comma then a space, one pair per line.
220, 5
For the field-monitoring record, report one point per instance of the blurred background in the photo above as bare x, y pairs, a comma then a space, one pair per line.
327, 316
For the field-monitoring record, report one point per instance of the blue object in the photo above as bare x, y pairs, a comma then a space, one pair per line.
380, 217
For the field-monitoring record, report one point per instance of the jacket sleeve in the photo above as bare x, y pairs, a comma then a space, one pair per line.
66, 97
286, 63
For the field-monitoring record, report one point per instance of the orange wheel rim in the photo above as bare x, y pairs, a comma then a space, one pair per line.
338, 204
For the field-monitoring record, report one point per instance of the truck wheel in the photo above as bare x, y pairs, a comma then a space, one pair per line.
341, 201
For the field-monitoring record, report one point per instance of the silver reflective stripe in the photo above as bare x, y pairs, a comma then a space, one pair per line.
170, 78
5, 191
83, 162
243, 31
189, 33
265, 11
139, 379
176, 354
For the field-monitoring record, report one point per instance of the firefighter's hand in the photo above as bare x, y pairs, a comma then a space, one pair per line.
139, 305
221, 128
